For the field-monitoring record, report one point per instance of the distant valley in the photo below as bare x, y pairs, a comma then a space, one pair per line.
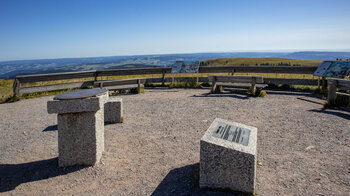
9, 69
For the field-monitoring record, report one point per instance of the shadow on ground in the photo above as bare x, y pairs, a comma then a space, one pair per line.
339, 112
308, 100
51, 128
291, 92
185, 181
12, 175
238, 95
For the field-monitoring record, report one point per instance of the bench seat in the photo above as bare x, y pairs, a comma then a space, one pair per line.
112, 85
343, 94
253, 82
240, 85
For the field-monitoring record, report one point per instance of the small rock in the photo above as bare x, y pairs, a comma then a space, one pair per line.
309, 147
259, 164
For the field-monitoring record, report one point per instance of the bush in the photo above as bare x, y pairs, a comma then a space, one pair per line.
205, 84
121, 91
258, 92
262, 94
185, 85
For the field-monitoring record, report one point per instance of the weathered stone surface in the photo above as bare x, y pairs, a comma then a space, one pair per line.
113, 110
80, 138
73, 106
80, 129
104, 97
225, 164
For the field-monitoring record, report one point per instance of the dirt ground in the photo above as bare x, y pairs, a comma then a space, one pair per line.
303, 149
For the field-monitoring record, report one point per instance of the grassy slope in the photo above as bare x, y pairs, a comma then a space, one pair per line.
259, 61
5, 89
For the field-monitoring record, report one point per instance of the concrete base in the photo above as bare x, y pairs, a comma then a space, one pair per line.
113, 110
225, 164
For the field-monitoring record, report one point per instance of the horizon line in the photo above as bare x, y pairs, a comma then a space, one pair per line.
213, 52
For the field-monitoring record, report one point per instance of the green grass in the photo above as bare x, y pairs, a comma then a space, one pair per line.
185, 85
38, 94
258, 93
313, 89
5, 89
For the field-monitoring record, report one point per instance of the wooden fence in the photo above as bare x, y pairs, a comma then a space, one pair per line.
337, 83
18, 90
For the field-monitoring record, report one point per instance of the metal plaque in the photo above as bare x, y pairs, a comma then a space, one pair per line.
232, 133
80, 94
185, 67
334, 69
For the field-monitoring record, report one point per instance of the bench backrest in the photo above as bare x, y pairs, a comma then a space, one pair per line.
107, 83
236, 79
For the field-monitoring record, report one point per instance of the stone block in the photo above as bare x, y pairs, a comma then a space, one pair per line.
228, 156
73, 105
80, 138
80, 122
113, 110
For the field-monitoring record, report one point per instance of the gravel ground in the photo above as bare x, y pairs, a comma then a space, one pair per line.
303, 150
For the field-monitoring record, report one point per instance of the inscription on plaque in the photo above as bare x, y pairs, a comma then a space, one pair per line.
232, 133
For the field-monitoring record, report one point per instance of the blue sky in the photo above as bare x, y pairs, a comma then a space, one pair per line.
39, 29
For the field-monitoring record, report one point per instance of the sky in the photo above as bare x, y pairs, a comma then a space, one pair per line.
42, 29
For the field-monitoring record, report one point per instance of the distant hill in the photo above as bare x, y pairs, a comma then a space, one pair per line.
318, 55
9, 69
260, 62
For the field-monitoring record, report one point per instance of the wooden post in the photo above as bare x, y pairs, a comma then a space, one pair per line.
253, 85
101, 84
197, 76
332, 90
95, 75
15, 87
163, 78
318, 82
324, 85
213, 85
138, 86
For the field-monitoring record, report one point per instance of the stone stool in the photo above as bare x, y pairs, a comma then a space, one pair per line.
228, 156
114, 110
80, 123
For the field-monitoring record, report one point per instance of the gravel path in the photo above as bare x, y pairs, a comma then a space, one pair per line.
303, 149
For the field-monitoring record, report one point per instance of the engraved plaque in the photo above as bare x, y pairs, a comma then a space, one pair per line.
232, 133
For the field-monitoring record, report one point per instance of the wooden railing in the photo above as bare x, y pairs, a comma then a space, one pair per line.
337, 83
18, 90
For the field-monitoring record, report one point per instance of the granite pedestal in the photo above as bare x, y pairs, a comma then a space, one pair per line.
228, 156
80, 123
113, 110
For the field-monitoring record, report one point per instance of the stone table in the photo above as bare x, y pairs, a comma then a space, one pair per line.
80, 123
228, 156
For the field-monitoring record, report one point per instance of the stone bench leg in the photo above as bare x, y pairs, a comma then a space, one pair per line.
113, 110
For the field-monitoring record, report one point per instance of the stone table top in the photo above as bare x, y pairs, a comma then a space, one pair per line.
80, 94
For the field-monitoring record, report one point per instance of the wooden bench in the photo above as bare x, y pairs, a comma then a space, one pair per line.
244, 81
337, 83
113, 85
